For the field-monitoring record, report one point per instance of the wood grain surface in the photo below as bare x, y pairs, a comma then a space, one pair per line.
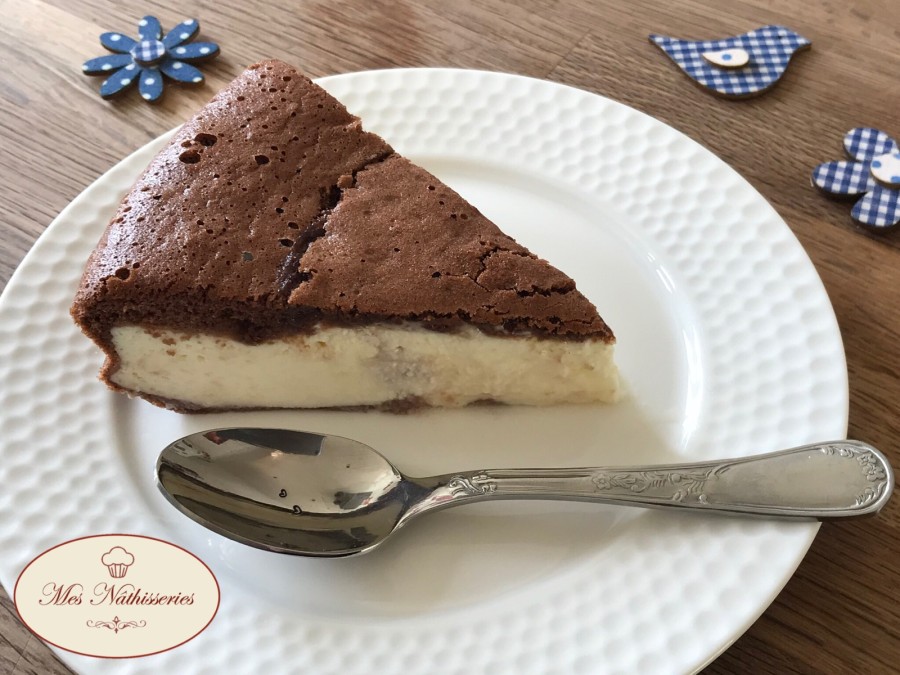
840, 612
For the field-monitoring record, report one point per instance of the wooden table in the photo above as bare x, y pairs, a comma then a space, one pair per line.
840, 612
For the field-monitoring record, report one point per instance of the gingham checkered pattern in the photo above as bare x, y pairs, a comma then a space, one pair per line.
148, 51
880, 207
843, 178
770, 48
865, 144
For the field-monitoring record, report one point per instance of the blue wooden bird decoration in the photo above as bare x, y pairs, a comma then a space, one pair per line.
736, 67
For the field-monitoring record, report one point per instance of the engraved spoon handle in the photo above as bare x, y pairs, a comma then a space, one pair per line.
825, 480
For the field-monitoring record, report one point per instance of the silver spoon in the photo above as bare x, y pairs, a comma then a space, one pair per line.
328, 496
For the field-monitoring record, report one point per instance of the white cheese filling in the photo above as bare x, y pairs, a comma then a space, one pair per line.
367, 365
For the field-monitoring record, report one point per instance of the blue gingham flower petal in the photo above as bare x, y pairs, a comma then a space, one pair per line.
195, 50
103, 65
181, 72
151, 85
843, 178
880, 208
182, 33
116, 42
149, 28
119, 81
864, 144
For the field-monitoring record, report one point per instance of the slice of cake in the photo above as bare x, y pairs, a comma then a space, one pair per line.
275, 255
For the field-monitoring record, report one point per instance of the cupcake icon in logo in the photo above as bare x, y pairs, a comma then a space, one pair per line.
117, 561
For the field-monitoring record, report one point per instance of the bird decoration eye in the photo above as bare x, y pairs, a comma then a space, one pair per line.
728, 58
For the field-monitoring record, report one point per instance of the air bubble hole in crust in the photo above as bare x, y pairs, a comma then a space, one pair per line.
206, 140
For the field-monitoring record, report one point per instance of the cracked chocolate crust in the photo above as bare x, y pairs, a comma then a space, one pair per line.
272, 211
399, 243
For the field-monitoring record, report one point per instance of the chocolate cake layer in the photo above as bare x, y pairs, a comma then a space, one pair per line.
273, 211
399, 243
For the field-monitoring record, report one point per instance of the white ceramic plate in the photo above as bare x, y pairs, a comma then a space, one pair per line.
727, 343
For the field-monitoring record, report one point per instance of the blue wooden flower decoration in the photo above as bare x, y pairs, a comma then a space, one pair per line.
148, 59
874, 173
735, 67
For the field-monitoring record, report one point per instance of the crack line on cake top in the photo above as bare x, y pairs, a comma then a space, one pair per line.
482, 260
535, 290
292, 273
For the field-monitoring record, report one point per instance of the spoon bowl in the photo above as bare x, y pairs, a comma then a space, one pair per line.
285, 491
328, 496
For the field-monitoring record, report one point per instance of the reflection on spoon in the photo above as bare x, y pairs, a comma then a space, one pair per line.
327, 496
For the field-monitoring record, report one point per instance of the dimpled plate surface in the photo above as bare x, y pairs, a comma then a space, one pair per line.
727, 345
